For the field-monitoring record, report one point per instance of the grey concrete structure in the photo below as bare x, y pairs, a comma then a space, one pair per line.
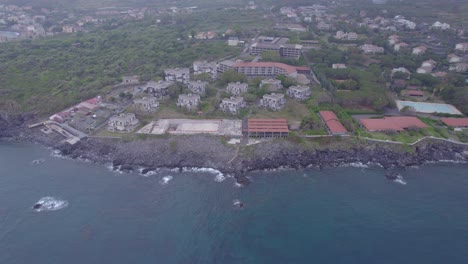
200, 67
189, 101
271, 84
237, 88
299, 92
197, 87
273, 101
122, 123
177, 75
158, 89
147, 104
232, 105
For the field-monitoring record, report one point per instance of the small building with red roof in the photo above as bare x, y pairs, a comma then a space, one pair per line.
394, 123
455, 122
333, 123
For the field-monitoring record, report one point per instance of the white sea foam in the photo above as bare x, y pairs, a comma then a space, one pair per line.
238, 185
237, 203
165, 180
219, 176
356, 165
400, 180
50, 204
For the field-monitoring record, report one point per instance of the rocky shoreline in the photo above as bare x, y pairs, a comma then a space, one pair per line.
201, 151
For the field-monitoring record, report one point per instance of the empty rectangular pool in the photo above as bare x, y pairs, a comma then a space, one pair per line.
428, 108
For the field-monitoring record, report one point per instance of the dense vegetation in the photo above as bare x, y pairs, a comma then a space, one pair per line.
49, 74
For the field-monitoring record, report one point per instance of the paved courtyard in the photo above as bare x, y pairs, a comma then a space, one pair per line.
222, 127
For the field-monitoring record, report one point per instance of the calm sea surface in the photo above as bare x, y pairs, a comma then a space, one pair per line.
341, 215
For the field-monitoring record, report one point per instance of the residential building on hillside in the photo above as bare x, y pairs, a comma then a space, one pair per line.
225, 65
158, 89
453, 58
268, 69
273, 101
134, 79
419, 50
462, 46
233, 41
278, 45
237, 88
177, 75
402, 70
346, 35
371, 49
197, 87
400, 46
299, 92
232, 105
338, 66
200, 67
459, 67
147, 104
122, 123
189, 101
271, 84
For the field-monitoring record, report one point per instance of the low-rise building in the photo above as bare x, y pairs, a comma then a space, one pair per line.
200, 67
278, 45
333, 123
401, 70
439, 25
177, 75
400, 46
266, 128
394, 123
462, 47
232, 105
158, 89
225, 65
419, 50
271, 84
134, 79
346, 35
299, 92
459, 67
453, 58
122, 123
233, 41
323, 26
189, 101
269, 69
147, 104
197, 87
273, 101
338, 66
371, 49
237, 88
393, 39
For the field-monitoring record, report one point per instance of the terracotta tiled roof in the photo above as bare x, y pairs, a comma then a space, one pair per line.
332, 122
396, 123
455, 122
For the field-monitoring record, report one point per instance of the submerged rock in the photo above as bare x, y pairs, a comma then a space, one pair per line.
392, 175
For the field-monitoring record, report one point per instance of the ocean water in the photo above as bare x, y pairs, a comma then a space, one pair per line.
337, 215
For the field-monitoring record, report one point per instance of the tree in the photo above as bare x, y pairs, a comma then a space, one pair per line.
231, 76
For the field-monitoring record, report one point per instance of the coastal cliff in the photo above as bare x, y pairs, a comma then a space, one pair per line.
214, 152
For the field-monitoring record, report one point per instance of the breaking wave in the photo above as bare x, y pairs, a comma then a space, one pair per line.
400, 180
165, 180
49, 204
219, 176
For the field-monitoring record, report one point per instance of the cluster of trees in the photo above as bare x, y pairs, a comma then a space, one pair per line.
47, 75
